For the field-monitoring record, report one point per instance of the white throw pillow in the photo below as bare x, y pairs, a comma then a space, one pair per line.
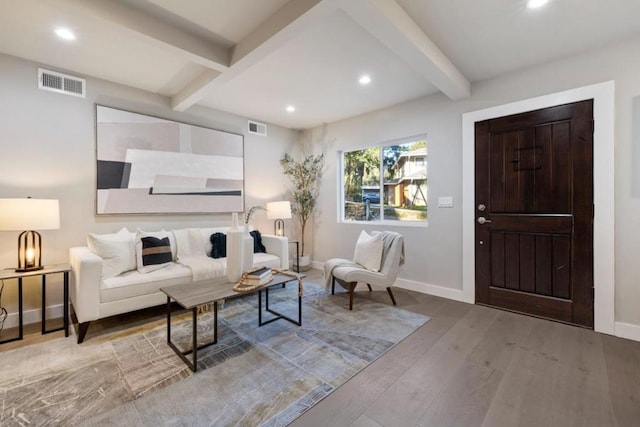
162, 257
117, 251
368, 251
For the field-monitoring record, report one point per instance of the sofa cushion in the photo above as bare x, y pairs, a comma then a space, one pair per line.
261, 259
257, 242
117, 251
155, 251
134, 283
160, 243
368, 251
218, 245
206, 236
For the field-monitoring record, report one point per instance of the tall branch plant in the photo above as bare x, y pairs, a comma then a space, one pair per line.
305, 177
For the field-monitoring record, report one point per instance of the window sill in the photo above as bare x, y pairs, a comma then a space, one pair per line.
387, 223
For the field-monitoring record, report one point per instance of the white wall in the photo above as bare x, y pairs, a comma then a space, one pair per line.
434, 254
47, 149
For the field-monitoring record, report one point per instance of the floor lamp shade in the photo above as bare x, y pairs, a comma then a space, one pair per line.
279, 211
29, 215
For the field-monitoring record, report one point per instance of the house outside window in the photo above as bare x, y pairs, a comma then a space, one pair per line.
385, 183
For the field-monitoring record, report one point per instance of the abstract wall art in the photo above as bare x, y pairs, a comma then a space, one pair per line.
148, 165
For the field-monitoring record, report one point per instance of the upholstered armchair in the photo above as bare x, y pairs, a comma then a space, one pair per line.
349, 273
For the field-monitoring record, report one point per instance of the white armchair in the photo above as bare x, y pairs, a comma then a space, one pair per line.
348, 273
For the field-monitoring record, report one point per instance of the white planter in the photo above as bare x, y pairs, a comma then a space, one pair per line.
235, 246
305, 263
247, 250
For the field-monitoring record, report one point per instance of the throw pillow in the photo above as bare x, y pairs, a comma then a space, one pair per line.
218, 245
368, 251
158, 243
117, 251
257, 242
155, 251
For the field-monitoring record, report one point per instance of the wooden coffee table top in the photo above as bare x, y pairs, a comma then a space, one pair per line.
190, 295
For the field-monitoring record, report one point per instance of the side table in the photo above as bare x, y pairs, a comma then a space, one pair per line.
297, 254
8, 274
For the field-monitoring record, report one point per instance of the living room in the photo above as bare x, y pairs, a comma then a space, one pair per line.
49, 139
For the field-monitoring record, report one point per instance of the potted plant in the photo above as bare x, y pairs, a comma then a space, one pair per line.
305, 177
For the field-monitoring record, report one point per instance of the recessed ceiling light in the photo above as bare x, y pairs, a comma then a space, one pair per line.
65, 33
364, 80
291, 108
534, 4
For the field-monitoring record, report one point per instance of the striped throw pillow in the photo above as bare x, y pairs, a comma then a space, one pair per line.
155, 251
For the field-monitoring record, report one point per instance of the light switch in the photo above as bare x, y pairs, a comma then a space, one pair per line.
445, 202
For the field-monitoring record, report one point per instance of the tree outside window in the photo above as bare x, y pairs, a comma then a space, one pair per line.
386, 183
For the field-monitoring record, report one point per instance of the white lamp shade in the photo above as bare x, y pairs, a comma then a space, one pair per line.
279, 210
29, 214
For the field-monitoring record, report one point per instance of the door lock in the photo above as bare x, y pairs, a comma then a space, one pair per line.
481, 207
483, 220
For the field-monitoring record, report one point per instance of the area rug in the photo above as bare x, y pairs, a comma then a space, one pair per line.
254, 376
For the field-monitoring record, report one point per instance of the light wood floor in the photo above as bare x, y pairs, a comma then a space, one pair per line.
478, 366
469, 366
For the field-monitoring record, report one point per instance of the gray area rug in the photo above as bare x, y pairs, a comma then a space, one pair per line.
254, 376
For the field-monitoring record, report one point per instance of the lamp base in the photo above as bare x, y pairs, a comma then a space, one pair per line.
29, 251
278, 227
26, 269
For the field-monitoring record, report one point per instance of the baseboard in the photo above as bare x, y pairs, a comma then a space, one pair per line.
628, 331
317, 265
426, 288
33, 316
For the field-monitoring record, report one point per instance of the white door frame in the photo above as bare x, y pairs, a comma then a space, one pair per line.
603, 95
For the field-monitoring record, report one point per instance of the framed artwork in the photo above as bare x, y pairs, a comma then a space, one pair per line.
148, 165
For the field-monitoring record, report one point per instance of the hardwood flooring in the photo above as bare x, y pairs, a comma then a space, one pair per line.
469, 366
478, 366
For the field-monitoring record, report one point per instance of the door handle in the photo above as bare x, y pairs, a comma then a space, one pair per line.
483, 220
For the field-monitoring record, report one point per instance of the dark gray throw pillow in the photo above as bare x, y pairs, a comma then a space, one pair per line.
219, 245
257, 242
155, 251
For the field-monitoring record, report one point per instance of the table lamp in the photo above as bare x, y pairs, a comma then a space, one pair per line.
278, 211
29, 214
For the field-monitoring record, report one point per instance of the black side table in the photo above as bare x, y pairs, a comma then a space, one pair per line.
297, 254
8, 274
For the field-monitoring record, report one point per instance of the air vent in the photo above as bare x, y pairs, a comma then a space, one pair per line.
61, 83
257, 128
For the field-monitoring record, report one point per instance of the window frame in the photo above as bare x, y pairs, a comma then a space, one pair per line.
341, 183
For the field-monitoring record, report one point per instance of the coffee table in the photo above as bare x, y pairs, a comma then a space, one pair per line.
192, 295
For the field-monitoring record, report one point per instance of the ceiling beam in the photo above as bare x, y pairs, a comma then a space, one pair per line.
159, 32
390, 24
288, 22
192, 92
384, 19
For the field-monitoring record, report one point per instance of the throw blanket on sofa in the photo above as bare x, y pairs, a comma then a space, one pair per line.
192, 253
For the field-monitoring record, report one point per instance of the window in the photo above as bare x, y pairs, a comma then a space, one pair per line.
386, 183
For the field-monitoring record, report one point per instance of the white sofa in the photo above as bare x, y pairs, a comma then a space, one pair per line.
94, 296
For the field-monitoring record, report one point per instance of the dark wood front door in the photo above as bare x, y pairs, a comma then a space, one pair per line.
534, 213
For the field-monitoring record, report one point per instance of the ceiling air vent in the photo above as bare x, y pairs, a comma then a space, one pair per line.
257, 128
61, 83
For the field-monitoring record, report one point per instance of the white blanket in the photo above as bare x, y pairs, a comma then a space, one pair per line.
192, 253
332, 264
